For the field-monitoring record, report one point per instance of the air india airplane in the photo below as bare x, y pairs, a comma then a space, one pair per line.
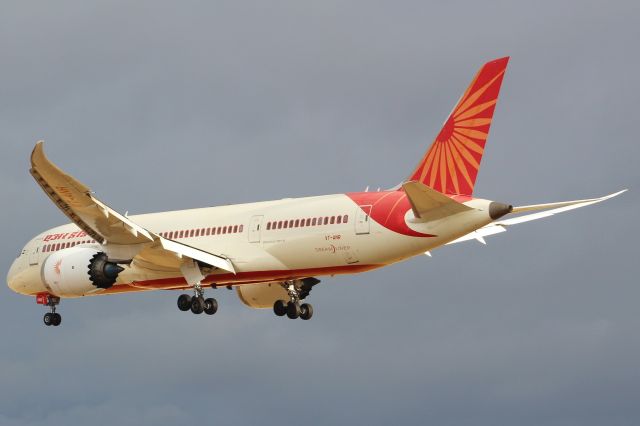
272, 251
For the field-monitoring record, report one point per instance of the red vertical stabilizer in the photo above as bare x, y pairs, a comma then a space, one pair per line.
451, 164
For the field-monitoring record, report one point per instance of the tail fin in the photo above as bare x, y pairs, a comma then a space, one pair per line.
451, 164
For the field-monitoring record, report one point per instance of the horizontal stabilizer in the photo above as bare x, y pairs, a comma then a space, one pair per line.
547, 211
430, 204
573, 204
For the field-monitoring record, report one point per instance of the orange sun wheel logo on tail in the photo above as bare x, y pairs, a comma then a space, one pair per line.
451, 164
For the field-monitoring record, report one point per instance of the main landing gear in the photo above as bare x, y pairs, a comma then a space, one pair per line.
297, 291
50, 318
197, 303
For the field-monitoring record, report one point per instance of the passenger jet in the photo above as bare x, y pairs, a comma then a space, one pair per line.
272, 252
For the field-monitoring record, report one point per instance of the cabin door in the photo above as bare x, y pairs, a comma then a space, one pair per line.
255, 228
34, 256
363, 222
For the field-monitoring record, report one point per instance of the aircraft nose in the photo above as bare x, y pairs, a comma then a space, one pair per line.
11, 276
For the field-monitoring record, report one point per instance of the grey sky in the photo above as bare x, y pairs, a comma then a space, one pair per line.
166, 105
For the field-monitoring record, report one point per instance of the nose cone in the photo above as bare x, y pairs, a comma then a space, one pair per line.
23, 278
11, 276
497, 210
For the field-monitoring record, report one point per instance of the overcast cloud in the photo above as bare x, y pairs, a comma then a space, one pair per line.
170, 105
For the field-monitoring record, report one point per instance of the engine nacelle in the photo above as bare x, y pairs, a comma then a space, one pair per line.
78, 271
261, 296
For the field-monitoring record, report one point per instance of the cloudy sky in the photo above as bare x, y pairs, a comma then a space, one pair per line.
169, 105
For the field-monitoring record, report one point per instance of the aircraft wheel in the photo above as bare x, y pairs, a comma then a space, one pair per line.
306, 311
210, 306
184, 302
197, 305
280, 308
293, 310
56, 319
48, 319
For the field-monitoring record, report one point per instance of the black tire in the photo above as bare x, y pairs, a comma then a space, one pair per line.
210, 306
306, 311
184, 302
293, 310
56, 319
48, 319
197, 305
280, 308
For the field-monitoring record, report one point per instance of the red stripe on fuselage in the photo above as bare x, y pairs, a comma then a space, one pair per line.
176, 283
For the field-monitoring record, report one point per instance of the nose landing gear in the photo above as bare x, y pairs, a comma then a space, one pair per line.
50, 318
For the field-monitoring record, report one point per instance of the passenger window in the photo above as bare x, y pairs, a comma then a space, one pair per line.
297, 223
192, 232
241, 228
280, 225
286, 224
313, 222
333, 220
339, 219
197, 233
345, 218
326, 220
235, 229
268, 226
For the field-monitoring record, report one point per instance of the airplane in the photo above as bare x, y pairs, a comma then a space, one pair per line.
272, 252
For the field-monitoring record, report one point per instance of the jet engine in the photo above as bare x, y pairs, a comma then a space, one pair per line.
78, 271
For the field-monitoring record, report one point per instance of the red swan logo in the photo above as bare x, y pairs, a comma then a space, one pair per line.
388, 208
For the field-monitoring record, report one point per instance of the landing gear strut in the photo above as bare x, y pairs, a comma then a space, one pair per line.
50, 318
297, 290
197, 303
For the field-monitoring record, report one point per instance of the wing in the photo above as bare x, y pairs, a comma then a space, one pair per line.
548, 210
107, 226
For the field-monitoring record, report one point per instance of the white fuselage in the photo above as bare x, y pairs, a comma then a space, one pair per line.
265, 241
